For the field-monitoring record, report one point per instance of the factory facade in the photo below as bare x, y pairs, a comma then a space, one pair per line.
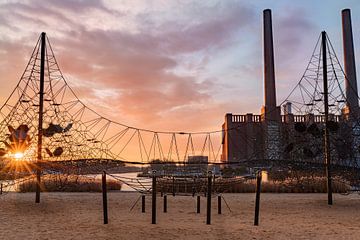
277, 133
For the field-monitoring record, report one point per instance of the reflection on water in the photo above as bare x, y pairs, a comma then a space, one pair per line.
124, 187
12, 186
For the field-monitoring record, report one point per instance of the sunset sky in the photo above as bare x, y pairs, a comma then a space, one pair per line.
169, 65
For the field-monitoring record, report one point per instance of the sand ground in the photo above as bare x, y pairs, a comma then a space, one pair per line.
79, 216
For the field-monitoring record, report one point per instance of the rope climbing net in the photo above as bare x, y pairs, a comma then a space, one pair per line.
76, 135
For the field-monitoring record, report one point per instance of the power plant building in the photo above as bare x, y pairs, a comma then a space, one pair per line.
278, 133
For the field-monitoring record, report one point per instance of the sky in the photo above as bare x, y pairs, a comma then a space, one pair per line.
169, 65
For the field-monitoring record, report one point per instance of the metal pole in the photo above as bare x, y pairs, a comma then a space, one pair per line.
143, 203
257, 199
219, 204
326, 111
198, 204
208, 209
153, 210
41, 110
165, 203
104, 192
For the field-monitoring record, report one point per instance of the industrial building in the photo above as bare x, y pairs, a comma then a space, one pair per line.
278, 133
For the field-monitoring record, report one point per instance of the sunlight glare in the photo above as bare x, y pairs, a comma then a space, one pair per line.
18, 155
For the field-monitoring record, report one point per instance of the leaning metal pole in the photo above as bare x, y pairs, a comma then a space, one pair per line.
41, 109
326, 112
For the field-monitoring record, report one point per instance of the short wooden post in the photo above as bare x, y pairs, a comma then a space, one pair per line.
165, 203
257, 199
219, 204
104, 192
38, 182
1, 188
153, 210
173, 186
198, 204
208, 209
143, 203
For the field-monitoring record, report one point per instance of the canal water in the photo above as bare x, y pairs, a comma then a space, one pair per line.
124, 187
12, 186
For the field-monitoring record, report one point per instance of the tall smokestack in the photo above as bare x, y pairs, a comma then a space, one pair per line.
349, 61
270, 112
269, 73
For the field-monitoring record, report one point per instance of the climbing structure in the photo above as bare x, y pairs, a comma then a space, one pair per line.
72, 131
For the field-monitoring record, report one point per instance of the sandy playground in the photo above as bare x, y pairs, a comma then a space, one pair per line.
79, 216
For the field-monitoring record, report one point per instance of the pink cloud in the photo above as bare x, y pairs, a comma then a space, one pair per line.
138, 65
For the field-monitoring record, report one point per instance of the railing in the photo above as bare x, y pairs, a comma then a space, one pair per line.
238, 118
245, 118
299, 118
256, 118
285, 118
309, 117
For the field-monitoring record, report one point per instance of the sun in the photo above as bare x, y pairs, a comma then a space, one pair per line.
18, 155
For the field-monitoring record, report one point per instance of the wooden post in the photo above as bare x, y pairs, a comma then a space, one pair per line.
198, 204
1, 188
257, 199
165, 203
143, 203
173, 186
153, 210
193, 188
208, 207
219, 204
104, 191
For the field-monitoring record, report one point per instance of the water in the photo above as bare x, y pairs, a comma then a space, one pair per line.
124, 187
14, 187
10, 186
